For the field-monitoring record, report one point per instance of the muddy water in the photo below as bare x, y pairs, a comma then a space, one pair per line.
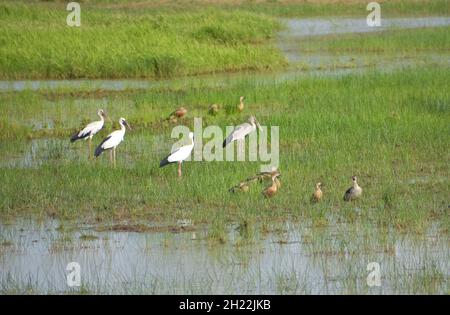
34, 257
288, 41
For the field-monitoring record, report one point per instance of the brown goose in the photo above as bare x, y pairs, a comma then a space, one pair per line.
270, 191
317, 195
213, 109
353, 192
180, 112
240, 106
241, 187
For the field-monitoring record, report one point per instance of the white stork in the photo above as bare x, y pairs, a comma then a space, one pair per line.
90, 130
112, 141
242, 130
180, 154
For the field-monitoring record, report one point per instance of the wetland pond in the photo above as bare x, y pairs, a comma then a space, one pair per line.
289, 258
179, 258
289, 42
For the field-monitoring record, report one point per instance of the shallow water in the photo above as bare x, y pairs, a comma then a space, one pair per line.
297, 260
326, 26
291, 39
288, 41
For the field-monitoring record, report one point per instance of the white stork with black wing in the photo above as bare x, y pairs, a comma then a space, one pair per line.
180, 154
112, 141
90, 130
241, 131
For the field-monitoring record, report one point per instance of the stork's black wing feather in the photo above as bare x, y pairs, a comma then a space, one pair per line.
76, 136
99, 148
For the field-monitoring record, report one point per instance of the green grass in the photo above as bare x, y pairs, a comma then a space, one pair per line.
395, 41
290, 8
390, 129
388, 8
136, 39
36, 42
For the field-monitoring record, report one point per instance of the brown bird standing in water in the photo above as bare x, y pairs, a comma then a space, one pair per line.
266, 176
272, 189
243, 187
213, 109
180, 112
240, 106
353, 192
317, 195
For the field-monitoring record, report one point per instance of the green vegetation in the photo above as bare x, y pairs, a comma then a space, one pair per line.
389, 128
133, 39
289, 8
36, 43
409, 41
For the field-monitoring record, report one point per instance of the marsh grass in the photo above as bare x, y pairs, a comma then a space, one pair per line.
290, 8
132, 43
387, 128
406, 42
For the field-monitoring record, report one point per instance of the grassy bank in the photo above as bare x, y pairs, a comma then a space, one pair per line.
292, 8
434, 40
390, 129
152, 39
37, 43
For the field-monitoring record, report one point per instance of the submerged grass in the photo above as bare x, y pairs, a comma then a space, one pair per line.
434, 39
390, 129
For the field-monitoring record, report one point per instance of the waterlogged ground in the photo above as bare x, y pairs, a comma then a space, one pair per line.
325, 251
291, 41
286, 258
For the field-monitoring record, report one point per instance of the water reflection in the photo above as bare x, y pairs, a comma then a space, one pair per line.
316, 261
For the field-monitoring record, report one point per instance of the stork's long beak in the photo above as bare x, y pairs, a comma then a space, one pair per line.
128, 125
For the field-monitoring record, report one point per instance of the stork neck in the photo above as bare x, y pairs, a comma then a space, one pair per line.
355, 184
101, 118
122, 127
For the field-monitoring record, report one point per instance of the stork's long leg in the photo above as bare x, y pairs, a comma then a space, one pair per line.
114, 156
110, 156
90, 148
179, 169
